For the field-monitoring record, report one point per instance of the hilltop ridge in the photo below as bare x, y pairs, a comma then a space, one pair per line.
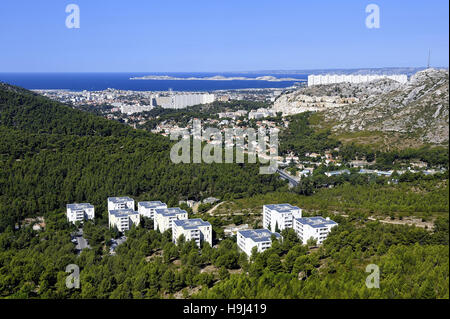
418, 109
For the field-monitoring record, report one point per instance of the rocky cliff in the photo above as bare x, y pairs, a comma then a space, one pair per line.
419, 108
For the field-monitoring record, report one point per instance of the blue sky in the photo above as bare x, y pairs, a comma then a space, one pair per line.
219, 35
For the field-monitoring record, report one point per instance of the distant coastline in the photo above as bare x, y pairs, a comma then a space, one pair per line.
267, 78
199, 81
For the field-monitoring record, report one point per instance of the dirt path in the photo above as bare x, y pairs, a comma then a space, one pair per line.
406, 221
410, 221
209, 212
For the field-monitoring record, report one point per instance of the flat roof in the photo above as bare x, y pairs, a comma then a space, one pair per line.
170, 211
258, 235
344, 171
152, 204
120, 199
316, 222
210, 200
122, 212
367, 171
282, 208
79, 206
385, 172
191, 223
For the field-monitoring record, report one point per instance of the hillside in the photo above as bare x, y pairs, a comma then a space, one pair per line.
419, 108
416, 112
47, 160
25, 110
51, 155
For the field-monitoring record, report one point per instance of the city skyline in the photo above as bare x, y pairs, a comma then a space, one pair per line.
220, 36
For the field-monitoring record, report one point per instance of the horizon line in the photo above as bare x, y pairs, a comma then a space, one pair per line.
243, 71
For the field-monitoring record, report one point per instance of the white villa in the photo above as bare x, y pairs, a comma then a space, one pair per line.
147, 209
164, 217
313, 227
260, 238
79, 212
116, 203
123, 219
280, 215
192, 229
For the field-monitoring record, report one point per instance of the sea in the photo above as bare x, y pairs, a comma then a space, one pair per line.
123, 81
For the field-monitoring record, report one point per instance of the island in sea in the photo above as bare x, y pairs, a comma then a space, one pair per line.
268, 78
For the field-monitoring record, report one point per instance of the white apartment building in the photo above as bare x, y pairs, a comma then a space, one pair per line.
180, 101
232, 115
260, 113
116, 203
123, 219
147, 209
164, 217
192, 229
280, 215
260, 238
79, 212
135, 108
352, 78
313, 227
336, 173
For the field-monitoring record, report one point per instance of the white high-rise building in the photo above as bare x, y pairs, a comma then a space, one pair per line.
123, 219
135, 108
192, 229
116, 203
79, 212
164, 217
260, 238
313, 227
180, 101
280, 216
147, 209
353, 78
260, 113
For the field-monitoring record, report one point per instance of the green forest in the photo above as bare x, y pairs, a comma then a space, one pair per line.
302, 137
414, 263
52, 155
423, 199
